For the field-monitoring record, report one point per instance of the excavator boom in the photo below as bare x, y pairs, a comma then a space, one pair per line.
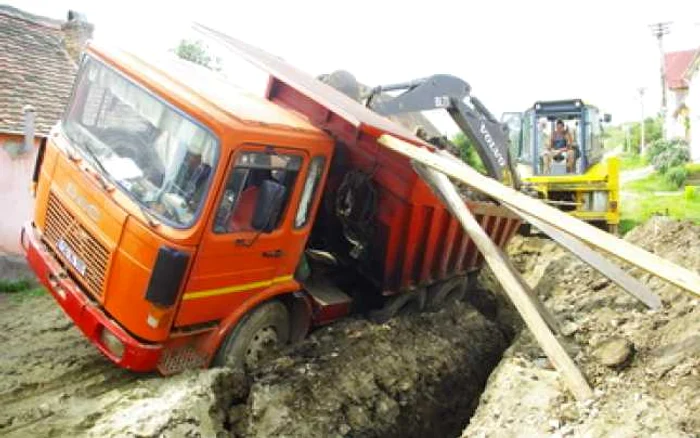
468, 112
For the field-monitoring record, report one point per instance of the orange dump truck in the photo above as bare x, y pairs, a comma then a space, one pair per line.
181, 222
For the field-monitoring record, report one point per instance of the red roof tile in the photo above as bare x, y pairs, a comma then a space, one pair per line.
676, 64
36, 70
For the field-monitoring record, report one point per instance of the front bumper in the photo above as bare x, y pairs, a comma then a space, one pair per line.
92, 321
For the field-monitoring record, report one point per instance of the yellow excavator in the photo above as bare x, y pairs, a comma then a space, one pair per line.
587, 185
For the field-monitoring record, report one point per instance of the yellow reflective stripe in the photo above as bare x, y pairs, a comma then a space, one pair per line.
236, 288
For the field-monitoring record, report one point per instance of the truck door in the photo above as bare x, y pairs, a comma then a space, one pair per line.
239, 257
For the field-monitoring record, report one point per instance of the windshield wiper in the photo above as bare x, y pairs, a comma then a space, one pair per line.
106, 179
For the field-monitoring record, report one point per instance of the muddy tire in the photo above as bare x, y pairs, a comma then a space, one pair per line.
445, 292
402, 304
257, 336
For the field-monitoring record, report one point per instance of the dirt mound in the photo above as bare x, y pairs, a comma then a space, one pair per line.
642, 364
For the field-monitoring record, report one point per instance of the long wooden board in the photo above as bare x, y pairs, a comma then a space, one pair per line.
609, 269
595, 237
511, 281
592, 258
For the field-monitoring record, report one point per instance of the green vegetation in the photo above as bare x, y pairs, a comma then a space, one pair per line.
21, 289
652, 183
615, 136
665, 155
468, 153
693, 173
15, 285
197, 52
638, 209
631, 161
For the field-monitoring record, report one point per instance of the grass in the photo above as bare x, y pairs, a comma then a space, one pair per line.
632, 161
644, 203
693, 173
21, 289
14, 285
638, 209
652, 183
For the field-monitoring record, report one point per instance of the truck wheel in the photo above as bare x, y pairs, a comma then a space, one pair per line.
402, 304
256, 337
446, 292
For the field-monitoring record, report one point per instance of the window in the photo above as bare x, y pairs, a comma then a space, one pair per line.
312, 180
251, 169
155, 153
526, 150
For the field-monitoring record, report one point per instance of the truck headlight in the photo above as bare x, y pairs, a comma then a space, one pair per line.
112, 343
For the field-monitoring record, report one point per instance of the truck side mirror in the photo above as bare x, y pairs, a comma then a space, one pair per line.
268, 206
607, 118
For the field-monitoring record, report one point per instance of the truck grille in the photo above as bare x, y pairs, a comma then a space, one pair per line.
61, 224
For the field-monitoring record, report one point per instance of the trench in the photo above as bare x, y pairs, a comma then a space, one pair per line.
418, 375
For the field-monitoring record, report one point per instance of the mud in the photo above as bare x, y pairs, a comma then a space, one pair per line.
655, 391
417, 375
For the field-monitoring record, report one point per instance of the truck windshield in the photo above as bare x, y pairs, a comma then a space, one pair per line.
162, 159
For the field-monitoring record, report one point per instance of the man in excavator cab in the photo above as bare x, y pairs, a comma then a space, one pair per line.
560, 147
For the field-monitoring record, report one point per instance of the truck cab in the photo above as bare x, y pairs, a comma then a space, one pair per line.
588, 185
165, 198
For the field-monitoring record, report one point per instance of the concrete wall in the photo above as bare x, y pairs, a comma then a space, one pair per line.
16, 202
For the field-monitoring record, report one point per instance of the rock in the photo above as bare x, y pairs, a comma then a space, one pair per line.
615, 352
569, 328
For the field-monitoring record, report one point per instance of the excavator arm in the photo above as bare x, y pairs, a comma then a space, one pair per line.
471, 116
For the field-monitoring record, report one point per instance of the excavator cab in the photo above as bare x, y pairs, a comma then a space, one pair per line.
531, 133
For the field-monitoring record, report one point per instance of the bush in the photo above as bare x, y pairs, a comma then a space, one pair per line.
676, 175
665, 155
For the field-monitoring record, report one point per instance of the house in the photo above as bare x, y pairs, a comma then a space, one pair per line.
692, 102
676, 65
39, 59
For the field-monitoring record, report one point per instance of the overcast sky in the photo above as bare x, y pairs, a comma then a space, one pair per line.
511, 52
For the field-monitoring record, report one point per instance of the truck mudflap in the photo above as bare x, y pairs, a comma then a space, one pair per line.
106, 334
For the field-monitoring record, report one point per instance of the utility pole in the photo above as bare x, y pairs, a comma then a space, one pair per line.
642, 146
659, 30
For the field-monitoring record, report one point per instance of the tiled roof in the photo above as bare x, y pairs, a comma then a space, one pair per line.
676, 64
34, 70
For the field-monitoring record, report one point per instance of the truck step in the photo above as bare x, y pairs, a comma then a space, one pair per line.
329, 302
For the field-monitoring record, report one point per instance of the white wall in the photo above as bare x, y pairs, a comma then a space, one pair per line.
673, 126
692, 100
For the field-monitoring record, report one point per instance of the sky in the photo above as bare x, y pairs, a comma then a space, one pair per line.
512, 53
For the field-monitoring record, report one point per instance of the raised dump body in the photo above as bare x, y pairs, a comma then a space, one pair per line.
417, 241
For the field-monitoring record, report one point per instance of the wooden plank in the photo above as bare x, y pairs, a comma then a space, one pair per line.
511, 281
595, 237
609, 269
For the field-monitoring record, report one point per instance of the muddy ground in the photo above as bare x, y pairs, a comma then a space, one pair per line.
418, 375
650, 386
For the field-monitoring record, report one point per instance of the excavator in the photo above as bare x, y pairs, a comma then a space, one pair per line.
510, 149
587, 186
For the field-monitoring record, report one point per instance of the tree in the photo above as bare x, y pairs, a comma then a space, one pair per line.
197, 52
467, 152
